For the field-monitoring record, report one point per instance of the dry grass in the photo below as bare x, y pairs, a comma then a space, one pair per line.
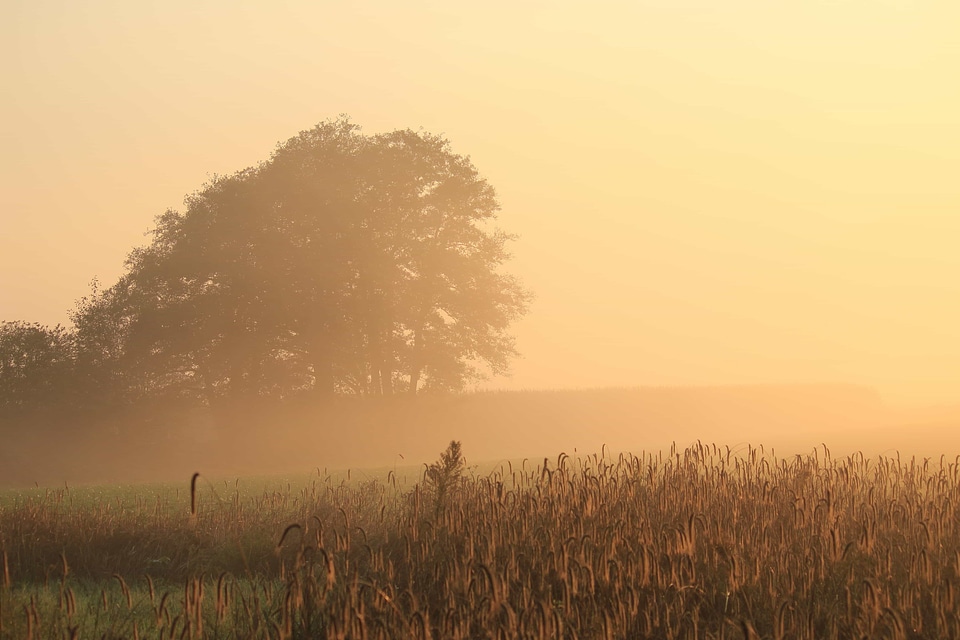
702, 543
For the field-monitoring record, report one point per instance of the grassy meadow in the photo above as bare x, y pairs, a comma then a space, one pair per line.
702, 542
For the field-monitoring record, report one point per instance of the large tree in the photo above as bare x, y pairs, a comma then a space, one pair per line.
36, 362
344, 263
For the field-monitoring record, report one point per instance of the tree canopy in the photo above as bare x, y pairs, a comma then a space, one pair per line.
35, 366
345, 263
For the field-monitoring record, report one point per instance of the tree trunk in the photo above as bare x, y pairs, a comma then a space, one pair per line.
323, 381
322, 362
415, 367
377, 380
414, 380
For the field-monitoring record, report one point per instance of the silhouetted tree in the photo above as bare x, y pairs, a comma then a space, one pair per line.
109, 375
36, 362
345, 263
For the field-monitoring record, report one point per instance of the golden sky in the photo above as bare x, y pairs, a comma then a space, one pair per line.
707, 192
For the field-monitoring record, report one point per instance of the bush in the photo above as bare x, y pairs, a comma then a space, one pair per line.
445, 474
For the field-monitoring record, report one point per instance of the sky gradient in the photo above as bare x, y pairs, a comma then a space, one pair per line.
706, 192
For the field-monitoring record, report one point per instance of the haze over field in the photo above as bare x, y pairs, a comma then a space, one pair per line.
706, 193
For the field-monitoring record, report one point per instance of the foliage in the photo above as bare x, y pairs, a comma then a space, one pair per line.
345, 264
350, 263
446, 474
35, 363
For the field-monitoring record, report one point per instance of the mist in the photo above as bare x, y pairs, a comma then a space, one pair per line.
402, 434
737, 221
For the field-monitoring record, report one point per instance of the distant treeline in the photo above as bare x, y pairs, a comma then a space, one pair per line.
345, 265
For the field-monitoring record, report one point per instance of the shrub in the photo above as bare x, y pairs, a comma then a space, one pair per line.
444, 475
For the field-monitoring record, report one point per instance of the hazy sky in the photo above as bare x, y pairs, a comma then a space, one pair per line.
707, 192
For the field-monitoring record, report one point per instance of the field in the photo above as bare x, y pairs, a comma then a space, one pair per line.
706, 542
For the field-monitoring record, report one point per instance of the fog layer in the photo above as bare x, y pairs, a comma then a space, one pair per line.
372, 437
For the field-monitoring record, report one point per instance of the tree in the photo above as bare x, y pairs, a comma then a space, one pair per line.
345, 263
35, 363
108, 375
